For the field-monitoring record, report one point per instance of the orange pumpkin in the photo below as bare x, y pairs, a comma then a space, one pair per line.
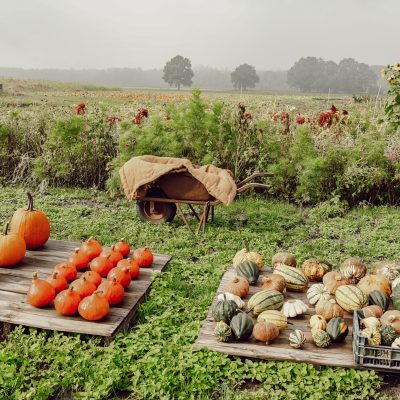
40, 293
133, 266
31, 224
112, 254
67, 302
67, 270
375, 282
265, 331
123, 247
332, 280
372, 311
329, 309
238, 286
113, 291
80, 259
274, 282
143, 256
101, 265
83, 287
94, 307
92, 276
58, 282
92, 248
121, 274
12, 248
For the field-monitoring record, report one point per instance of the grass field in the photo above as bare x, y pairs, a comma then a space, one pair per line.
155, 358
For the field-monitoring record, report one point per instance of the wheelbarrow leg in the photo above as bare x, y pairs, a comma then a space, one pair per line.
194, 212
202, 219
182, 215
212, 213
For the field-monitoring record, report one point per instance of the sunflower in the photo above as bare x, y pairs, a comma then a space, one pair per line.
392, 79
397, 66
383, 72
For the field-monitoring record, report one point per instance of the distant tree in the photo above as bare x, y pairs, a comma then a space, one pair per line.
244, 76
306, 73
178, 72
311, 74
354, 77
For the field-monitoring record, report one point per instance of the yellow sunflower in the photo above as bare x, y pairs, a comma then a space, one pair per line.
383, 72
392, 79
397, 66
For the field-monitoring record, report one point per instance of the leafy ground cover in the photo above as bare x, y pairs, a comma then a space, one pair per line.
155, 358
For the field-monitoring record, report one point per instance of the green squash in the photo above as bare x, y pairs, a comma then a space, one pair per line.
388, 335
248, 270
224, 310
337, 329
379, 298
396, 297
321, 338
265, 300
242, 326
294, 277
222, 332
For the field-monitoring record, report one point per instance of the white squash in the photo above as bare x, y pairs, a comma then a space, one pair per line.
230, 296
395, 283
371, 322
297, 339
292, 308
317, 292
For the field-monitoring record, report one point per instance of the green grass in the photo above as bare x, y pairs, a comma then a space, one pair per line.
155, 359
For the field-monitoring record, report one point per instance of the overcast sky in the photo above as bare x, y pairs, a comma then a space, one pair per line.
270, 34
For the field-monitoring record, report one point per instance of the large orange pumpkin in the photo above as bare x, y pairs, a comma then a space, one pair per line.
40, 292
12, 248
31, 224
94, 307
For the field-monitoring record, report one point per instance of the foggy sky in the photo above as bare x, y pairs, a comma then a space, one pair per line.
269, 34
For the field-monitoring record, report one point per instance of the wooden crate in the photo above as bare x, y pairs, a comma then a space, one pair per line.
14, 283
340, 354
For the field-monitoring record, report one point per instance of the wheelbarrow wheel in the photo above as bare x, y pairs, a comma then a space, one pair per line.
154, 211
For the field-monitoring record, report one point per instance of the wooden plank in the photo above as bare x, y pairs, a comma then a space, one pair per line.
340, 355
14, 283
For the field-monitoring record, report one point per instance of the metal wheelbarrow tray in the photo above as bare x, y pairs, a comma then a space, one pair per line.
165, 197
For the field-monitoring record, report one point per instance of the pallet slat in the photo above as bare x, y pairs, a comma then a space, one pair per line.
339, 355
14, 283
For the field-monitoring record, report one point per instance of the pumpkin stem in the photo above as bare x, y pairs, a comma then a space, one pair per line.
55, 274
391, 318
30, 202
76, 251
34, 276
114, 280
5, 229
71, 289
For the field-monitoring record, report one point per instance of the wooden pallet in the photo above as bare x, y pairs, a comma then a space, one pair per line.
340, 355
14, 283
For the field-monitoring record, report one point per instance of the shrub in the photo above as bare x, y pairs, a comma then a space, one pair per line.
76, 152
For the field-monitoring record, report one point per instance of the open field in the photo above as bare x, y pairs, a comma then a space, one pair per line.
155, 359
334, 189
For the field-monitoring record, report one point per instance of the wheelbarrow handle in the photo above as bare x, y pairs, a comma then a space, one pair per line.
254, 176
253, 185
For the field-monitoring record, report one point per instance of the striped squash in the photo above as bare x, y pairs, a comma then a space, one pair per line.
350, 297
275, 317
265, 300
294, 277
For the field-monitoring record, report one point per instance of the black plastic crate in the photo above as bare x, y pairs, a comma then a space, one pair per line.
379, 357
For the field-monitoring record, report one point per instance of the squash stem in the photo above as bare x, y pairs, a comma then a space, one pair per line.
30, 202
5, 228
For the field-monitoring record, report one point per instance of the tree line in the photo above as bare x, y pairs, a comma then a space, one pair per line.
309, 74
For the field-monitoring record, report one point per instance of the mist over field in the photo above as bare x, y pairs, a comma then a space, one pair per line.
127, 43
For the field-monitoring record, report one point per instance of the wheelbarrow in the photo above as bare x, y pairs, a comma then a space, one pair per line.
166, 196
